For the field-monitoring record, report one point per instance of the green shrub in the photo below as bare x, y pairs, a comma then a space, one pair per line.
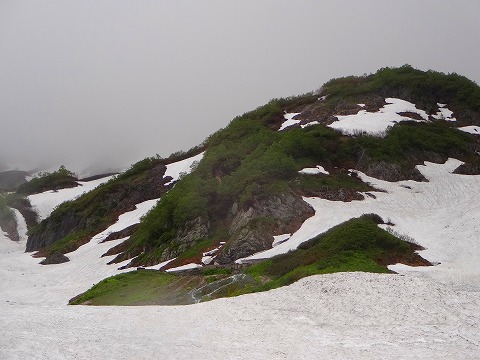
62, 178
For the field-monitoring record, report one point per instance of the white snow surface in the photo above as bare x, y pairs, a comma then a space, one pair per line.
44, 203
159, 266
184, 267
289, 121
314, 171
472, 129
127, 219
427, 313
444, 113
175, 170
56, 284
21, 225
377, 123
311, 123
442, 215
278, 239
338, 316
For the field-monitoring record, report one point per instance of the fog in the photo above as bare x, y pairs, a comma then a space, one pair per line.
99, 84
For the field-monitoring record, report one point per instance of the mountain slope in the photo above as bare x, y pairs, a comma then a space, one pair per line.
250, 165
420, 177
252, 182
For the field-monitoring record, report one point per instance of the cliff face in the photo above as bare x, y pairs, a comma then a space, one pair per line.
252, 228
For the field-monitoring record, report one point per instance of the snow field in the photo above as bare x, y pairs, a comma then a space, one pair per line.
337, 316
377, 123
442, 215
21, 274
444, 113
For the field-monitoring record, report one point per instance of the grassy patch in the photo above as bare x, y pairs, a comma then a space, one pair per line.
126, 289
356, 245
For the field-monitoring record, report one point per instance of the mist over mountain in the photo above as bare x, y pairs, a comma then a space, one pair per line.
108, 83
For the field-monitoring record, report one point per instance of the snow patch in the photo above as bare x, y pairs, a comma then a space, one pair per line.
313, 171
184, 267
160, 265
311, 123
472, 129
444, 113
21, 226
377, 123
127, 219
278, 239
176, 169
289, 121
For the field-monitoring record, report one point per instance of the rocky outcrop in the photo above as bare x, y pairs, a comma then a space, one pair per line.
190, 233
252, 228
53, 231
391, 172
55, 258
99, 212
10, 227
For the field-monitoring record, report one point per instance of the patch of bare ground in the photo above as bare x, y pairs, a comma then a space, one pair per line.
411, 115
411, 258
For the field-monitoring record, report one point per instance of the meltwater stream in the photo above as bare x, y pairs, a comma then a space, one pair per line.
207, 291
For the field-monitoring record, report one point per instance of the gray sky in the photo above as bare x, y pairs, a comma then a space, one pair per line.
109, 82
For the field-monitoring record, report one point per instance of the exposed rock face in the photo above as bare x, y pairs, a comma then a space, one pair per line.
128, 231
252, 228
192, 232
119, 199
10, 227
392, 172
55, 258
54, 231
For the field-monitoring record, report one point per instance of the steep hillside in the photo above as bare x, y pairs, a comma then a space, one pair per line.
249, 185
253, 187
73, 223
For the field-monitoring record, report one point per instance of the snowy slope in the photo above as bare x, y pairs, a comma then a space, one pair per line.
442, 215
338, 316
86, 266
425, 314
45, 202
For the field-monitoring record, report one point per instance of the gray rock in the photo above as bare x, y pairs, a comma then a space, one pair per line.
252, 228
55, 258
